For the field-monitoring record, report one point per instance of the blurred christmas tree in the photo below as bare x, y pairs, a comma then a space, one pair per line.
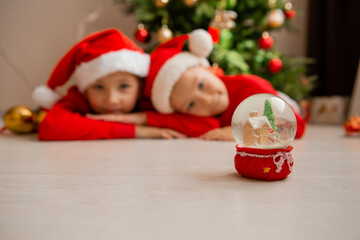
245, 44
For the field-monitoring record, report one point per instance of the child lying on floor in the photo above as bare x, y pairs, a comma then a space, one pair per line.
180, 81
107, 67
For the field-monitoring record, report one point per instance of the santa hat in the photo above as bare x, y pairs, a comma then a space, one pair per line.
93, 57
168, 62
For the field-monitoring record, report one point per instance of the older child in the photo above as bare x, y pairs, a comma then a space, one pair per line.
180, 81
107, 67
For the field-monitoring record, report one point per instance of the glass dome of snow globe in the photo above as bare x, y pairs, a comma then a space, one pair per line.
264, 121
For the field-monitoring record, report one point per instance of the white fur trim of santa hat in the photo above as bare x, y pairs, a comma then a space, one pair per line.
45, 96
123, 60
87, 73
168, 75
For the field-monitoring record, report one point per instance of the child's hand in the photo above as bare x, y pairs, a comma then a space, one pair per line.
154, 132
223, 134
138, 118
170, 134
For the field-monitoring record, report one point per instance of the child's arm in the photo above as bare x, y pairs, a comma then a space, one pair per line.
73, 126
222, 134
190, 125
138, 118
66, 121
154, 132
61, 123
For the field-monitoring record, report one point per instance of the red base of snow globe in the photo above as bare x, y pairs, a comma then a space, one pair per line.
264, 164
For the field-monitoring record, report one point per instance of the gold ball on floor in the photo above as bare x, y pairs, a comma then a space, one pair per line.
20, 119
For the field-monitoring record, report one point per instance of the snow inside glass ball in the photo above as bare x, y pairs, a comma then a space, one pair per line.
263, 121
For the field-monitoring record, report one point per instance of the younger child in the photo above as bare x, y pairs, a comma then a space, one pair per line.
180, 81
107, 67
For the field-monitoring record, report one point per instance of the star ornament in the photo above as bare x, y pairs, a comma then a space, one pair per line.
266, 169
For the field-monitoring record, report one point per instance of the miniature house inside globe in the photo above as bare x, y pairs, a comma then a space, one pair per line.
263, 121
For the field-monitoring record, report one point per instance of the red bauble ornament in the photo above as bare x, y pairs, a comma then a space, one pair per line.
289, 14
141, 34
215, 34
275, 65
266, 41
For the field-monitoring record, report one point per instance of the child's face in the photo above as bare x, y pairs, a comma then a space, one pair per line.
199, 92
115, 93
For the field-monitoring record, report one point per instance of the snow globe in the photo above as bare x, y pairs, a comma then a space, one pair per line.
263, 126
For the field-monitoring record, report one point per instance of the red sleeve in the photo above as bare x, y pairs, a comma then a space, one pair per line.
301, 125
190, 125
67, 121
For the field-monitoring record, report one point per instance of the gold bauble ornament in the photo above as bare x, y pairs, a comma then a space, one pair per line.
272, 3
20, 119
190, 3
164, 34
161, 3
275, 18
224, 19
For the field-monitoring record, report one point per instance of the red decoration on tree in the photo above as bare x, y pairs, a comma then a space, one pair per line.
289, 14
141, 34
275, 65
216, 70
266, 41
215, 34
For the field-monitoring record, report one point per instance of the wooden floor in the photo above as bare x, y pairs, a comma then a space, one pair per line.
180, 189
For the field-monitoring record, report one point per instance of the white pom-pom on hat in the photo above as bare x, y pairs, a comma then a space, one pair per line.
200, 43
45, 96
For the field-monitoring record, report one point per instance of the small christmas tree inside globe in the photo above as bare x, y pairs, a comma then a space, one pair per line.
264, 121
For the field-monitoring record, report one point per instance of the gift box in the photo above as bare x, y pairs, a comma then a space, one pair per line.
329, 110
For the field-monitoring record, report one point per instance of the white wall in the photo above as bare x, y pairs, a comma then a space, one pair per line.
34, 34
